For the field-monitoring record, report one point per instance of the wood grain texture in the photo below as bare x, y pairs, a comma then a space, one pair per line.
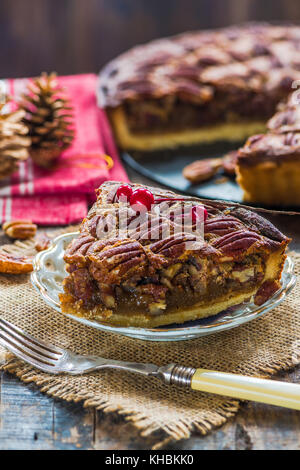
75, 36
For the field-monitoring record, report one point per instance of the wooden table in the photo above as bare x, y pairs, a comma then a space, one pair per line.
31, 420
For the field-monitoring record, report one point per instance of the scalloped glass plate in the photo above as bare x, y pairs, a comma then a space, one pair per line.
49, 272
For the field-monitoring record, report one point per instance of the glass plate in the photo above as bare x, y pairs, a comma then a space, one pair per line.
49, 272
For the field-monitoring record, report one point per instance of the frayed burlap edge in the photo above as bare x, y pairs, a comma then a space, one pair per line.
174, 431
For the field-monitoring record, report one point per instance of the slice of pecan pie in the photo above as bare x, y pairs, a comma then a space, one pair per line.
160, 271
268, 165
200, 86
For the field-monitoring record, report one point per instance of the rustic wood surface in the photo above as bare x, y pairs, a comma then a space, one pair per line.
31, 420
75, 36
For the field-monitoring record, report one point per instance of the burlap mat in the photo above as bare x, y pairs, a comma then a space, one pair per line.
261, 347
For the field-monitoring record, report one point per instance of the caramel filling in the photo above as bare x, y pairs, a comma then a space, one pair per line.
197, 280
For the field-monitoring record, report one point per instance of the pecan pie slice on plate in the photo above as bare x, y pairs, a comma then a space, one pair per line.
147, 257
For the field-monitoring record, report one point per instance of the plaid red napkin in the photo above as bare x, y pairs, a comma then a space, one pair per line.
61, 195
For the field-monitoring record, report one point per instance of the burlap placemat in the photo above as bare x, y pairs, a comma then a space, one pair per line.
261, 347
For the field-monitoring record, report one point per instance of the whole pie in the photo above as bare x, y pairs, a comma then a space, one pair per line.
135, 275
200, 86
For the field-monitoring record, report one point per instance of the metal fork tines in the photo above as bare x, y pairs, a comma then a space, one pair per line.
55, 360
31, 350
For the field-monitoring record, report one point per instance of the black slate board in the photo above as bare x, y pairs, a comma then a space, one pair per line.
165, 167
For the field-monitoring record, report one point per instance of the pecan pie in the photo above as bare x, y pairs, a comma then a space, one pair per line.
200, 86
140, 278
268, 166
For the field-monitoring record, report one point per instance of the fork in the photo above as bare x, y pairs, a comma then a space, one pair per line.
55, 360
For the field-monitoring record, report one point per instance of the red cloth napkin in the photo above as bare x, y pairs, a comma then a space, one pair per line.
61, 196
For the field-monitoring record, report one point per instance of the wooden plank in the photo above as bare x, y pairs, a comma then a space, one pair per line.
113, 432
73, 426
88, 34
26, 416
30, 419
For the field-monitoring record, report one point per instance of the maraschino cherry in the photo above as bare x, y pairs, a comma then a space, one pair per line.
124, 191
142, 197
198, 212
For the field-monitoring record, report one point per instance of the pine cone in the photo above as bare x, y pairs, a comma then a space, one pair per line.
49, 118
14, 141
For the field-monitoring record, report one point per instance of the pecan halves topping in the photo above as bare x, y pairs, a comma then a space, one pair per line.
239, 241
221, 225
172, 247
75, 253
286, 120
115, 263
21, 229
202, 170
11, 264
259, 224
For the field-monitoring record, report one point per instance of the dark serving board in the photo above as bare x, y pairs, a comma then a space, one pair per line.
165, 167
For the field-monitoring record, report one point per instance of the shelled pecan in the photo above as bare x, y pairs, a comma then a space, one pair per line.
42, 242
202, 170
11, 264
222, 226
229, 162
235, 242
21, 229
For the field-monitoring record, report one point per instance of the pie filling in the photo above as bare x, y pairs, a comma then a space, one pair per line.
170, 114
170, 137
196, 280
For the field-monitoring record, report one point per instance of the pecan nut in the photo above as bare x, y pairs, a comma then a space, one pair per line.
22, 229
42, 242
202, 170
115, 262
266, 290
229, 162
221, 225
173, 246
235, 242
11, 264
